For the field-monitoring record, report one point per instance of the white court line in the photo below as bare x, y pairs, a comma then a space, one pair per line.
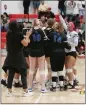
38, 99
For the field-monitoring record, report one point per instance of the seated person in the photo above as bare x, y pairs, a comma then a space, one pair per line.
4, 22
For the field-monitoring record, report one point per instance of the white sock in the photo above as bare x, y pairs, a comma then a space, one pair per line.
74, 76
6, 81
16, 80
61, 83
71, 82
66, 77
54, 84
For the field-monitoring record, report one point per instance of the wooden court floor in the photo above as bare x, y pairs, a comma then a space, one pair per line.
50, 97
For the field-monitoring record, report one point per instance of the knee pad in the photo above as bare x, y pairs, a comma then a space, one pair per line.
54, 74
60, 73
69, 70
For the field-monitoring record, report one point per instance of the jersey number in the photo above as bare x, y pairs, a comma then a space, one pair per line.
57, 39
36, 37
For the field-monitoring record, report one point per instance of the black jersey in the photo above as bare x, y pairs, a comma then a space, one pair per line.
36, 46
58, 42
13, 42
47, 41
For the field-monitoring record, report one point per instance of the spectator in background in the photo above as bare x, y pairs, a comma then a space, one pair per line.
36, 4
61, 6
70, 5
82, 8
5, 9
76, 20
5, 21
76, 8
83, 25
26, 4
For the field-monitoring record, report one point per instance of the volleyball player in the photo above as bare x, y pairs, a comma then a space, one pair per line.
71, 55
57, 56
47, 31
37, 56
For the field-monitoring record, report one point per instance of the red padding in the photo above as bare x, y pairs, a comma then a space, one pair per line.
12, 19
3, 34
17, 16
3, 39
2, 45
23, 16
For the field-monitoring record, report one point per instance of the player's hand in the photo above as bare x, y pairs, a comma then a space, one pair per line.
28, 33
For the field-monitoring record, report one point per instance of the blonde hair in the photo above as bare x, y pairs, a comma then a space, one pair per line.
58, 26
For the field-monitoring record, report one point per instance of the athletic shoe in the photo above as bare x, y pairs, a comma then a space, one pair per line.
65, 84
9, 94
48, 84
61, 88
53, 89
65, 87
3, 82
30, 90
71, 86
44, 90
76, 82
26, 94
17, 85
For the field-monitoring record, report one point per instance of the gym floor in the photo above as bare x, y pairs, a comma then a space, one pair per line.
71, 96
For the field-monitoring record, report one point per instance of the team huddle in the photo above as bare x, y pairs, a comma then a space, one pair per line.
50, 41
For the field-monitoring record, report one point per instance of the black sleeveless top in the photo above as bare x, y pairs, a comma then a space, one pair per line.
15, 57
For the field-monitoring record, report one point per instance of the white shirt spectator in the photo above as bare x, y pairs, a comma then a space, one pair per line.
76, 9
70, 7
5, 9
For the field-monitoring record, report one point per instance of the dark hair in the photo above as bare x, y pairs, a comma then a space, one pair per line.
5, 14
13, 26
21, 26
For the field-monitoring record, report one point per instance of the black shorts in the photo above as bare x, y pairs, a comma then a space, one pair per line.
74, 54
26, 52
57, 62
